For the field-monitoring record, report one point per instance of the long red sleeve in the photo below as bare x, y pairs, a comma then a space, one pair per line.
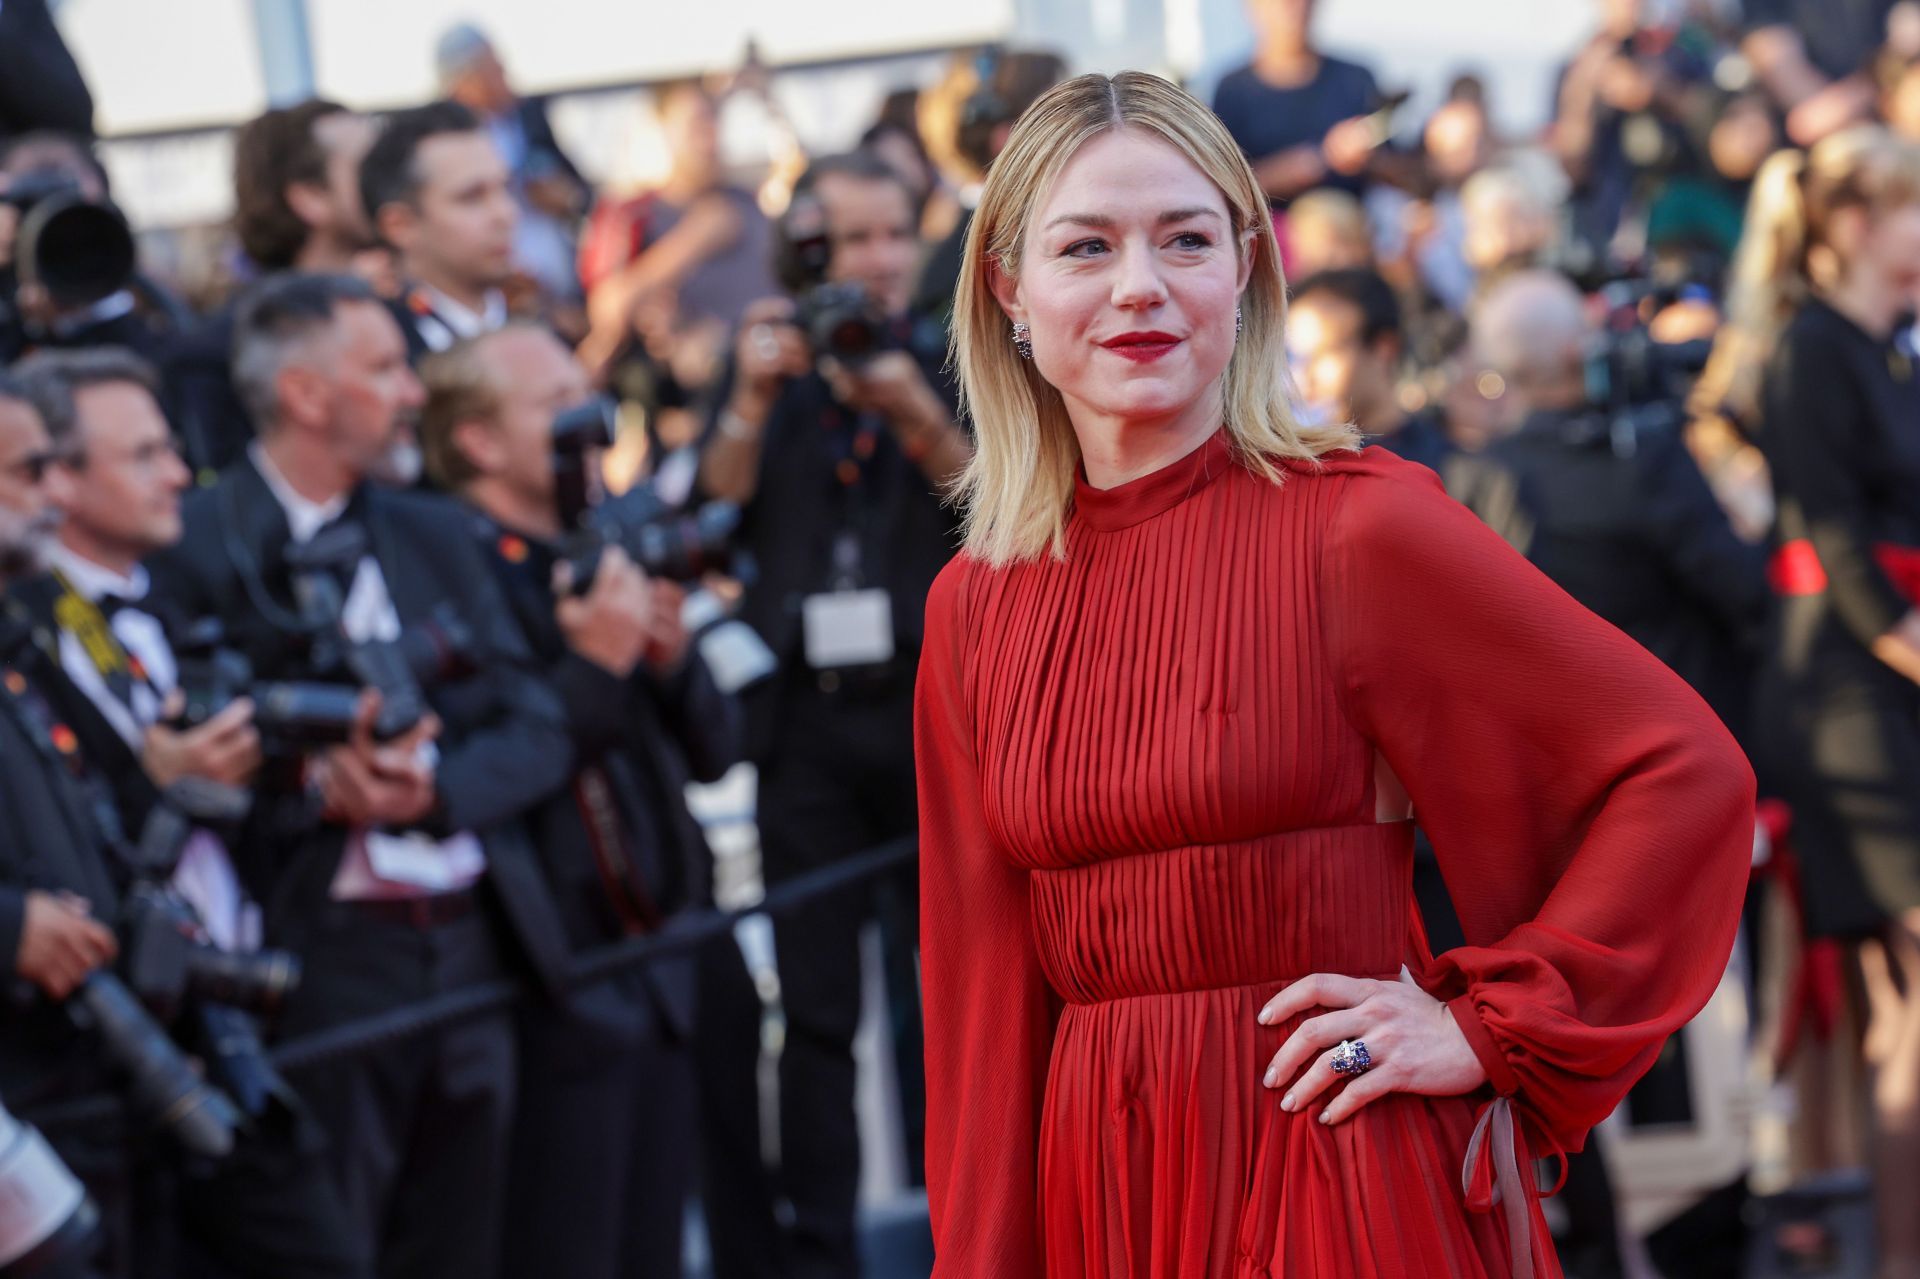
1592, 818
989, 1012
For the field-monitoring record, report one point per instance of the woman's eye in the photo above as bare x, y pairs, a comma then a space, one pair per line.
1192, 240
1080, 248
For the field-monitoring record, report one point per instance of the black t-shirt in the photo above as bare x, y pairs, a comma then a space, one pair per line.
1265, 120
1841, 35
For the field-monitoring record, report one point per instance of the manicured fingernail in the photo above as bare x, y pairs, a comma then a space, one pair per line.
1325, 1118
1286, 1102
1272, 1076
1264, 1017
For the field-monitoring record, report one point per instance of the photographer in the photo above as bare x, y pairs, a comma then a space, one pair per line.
59, 879
437, 190
839, 461
266, 1210
296, 186
1607, 500
600, 1168
69, 267
394, 866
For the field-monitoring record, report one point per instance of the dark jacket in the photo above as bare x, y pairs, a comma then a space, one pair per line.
647, 737
503, 743
1620, 518
40, 84
52, 840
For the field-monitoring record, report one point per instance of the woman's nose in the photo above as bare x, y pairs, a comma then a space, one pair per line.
1137, 282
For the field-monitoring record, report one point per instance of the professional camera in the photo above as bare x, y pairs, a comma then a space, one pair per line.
840, 321
399, 669
679, 546
171, 965
167, 960
49, 1228
291, 717
165, 1086
78, 250
297, 716
1629, 370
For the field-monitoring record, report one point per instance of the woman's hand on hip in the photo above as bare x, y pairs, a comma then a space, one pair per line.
1410, 1036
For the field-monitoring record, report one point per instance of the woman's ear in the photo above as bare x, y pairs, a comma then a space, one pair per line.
1006, 288
1249, 246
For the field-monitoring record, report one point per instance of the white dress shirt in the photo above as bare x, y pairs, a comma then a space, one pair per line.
448, 321
377, 864
204, 875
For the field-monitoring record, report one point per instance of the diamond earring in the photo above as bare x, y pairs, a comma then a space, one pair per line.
1239, 322
1023, 340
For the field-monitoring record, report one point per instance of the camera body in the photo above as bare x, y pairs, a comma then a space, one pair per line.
842, 322
292, 717
167, 962
664, 542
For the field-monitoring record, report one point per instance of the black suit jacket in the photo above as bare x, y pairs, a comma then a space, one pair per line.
52, 841
649, 737
503, 746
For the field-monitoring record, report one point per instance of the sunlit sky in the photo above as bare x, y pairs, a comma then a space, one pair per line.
159, 64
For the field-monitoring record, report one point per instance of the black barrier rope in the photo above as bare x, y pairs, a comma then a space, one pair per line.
685, 931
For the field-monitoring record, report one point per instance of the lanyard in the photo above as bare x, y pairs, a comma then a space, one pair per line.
84, 619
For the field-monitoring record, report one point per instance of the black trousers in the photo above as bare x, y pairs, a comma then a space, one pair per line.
839, 781
603, 1139
736, 1184
269, 1210
418, 1128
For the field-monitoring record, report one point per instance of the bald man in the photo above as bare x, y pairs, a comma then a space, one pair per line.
1609, 503
1532, 331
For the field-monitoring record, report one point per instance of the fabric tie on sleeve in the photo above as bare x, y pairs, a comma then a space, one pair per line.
1496, 1180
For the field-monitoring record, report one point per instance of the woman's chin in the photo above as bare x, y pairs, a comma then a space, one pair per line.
1144, 399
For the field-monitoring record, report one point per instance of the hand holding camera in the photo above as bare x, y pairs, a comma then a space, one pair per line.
61, 943
667, 636
368, 782
889, 384
611, 625
770, 350
224, 749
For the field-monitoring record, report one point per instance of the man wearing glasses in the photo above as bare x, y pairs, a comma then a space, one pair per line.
116, 478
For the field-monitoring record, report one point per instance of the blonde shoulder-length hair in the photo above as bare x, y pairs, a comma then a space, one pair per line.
1014, 495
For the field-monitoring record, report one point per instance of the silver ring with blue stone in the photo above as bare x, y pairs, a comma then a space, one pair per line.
1351, 1058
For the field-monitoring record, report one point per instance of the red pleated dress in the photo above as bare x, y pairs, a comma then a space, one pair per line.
1148, 782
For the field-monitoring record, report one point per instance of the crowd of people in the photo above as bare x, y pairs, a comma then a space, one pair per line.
362, 631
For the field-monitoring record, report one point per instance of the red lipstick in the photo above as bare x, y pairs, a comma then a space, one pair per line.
1143, 346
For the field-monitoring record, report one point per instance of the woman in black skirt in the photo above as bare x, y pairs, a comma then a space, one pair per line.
1832, 259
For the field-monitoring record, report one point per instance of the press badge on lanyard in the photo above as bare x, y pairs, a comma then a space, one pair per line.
847, 626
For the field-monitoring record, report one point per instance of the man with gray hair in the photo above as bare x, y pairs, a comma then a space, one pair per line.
398, 869
112, 675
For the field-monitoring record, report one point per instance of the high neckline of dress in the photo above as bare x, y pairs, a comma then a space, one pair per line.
1146, 496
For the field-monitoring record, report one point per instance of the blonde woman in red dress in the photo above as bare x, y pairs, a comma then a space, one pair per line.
1195, 668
